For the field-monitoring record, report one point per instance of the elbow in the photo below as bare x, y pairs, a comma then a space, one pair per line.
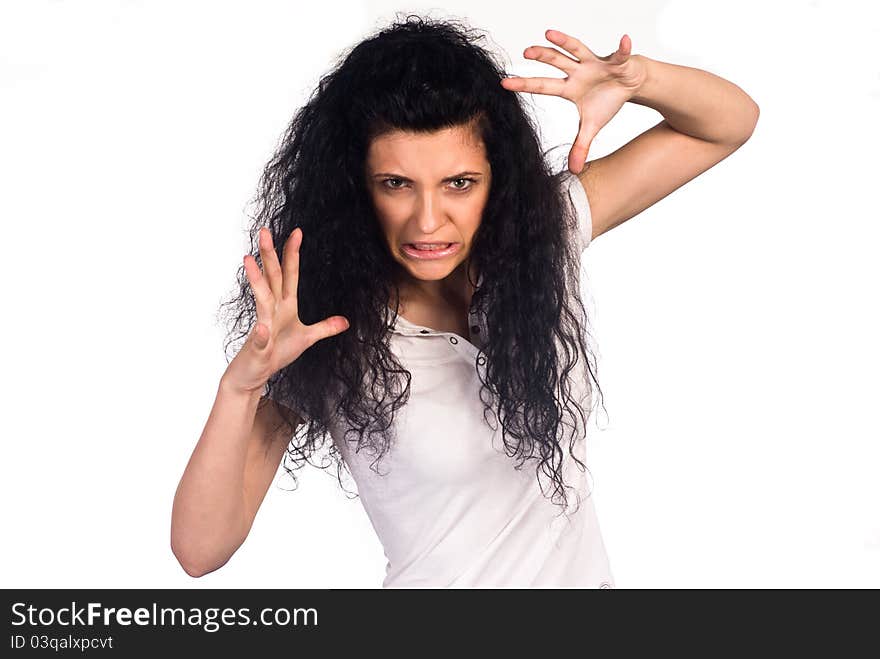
748, 123
193, 573
191, 564
199, 555
192, 568
756, 114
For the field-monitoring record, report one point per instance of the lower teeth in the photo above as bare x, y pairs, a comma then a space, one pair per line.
430, 249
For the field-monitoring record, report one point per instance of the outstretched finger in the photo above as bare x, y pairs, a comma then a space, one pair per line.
569, 43
271, 267
550, 86
262, 293
290, 257
552, 57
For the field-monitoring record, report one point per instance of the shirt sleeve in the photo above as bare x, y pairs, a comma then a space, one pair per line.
577, 196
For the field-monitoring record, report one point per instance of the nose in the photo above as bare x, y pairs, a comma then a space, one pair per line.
429, 213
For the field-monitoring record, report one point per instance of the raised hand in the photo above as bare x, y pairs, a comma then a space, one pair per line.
278, 337
598, 86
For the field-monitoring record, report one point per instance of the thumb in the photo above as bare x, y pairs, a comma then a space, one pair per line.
329, 327
260, 336
580, 150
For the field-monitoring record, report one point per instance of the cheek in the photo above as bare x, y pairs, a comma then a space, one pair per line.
384, 218
391, 232
472, 227
476, 216
385, 214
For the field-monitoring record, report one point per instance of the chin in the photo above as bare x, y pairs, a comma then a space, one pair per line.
430, 270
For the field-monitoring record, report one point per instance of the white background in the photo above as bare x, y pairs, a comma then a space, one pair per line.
737, 318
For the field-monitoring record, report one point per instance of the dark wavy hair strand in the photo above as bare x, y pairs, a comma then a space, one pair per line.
420, 75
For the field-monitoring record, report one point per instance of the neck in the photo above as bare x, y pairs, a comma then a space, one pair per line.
454, 289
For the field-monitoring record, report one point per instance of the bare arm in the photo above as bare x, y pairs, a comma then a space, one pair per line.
226, 479
706, 119
235, 459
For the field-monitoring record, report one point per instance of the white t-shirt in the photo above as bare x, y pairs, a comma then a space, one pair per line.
449, 508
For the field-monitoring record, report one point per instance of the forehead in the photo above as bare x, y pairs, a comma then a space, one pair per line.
438, 150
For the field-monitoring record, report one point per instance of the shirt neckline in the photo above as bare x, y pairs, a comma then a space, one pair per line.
406, 327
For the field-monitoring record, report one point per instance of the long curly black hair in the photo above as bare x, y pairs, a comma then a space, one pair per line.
421, 74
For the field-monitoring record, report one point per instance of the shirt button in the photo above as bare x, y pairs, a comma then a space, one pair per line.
423, 331
481, 360
452, 339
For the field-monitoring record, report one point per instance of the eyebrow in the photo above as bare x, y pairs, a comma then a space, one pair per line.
448, 178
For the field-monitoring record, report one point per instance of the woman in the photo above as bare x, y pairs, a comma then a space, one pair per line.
422, 318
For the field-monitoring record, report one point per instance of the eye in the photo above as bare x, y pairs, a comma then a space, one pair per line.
387, 183
472, 181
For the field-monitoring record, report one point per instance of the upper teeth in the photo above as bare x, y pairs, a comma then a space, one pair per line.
431, 245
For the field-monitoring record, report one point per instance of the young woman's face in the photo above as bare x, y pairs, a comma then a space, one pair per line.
429, 189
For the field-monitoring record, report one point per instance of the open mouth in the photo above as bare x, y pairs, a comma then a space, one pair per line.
429, 246
430, 250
